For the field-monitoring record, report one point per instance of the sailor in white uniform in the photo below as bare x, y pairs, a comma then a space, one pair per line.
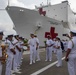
37, 50
49, 44
21, 46
71, 53
16, 60
1, 58
32, 45
11, 52
54, 49
66, 41
58, 52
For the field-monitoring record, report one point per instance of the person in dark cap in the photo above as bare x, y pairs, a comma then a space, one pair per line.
11, 52
71, 53
1, 49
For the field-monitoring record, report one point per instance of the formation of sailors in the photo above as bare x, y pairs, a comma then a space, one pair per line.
13, 47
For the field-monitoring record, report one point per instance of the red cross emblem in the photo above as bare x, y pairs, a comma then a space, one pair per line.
42, 12
51, 33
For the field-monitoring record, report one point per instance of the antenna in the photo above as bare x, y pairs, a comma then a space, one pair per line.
47, 2
8, 3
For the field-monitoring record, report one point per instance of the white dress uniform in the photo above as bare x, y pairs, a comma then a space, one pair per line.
54, 49
32, 45
66, 45
72, 57
9, 62
49, 50
37, 51
59, 54
0, 61
21, 53
16, 56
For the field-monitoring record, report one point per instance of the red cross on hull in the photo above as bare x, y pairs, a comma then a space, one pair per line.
51, 33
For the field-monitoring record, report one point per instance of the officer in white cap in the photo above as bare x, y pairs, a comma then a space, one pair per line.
37, 50
11, 52
58, 51
1, 48
32, 45
49, 45
71, 53
54, 49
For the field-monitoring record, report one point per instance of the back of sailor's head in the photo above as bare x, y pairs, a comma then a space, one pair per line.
1, 32
73, 32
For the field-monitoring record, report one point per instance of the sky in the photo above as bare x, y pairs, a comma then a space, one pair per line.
31, 3
5, 22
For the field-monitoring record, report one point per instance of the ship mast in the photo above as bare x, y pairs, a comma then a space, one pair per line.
8, 3
47, 2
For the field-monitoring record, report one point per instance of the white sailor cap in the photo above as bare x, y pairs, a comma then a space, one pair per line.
32, 33
57, 37
16, 35
73, 31
10, 35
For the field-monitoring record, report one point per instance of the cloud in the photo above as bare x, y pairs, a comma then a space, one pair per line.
3, 4
7, 29
16, 3
21, 4
32, 6
6, 23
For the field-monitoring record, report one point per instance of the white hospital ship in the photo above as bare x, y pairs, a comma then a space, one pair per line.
45, 20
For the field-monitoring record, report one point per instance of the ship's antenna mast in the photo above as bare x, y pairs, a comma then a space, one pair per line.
47, 2
8, 2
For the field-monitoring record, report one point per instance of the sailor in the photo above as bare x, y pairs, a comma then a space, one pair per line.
71, 53
54, 49
32, 46
16, 62
49, 44
58, 51
11, 52
37, 50
66, 41
1, 48
21, 46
